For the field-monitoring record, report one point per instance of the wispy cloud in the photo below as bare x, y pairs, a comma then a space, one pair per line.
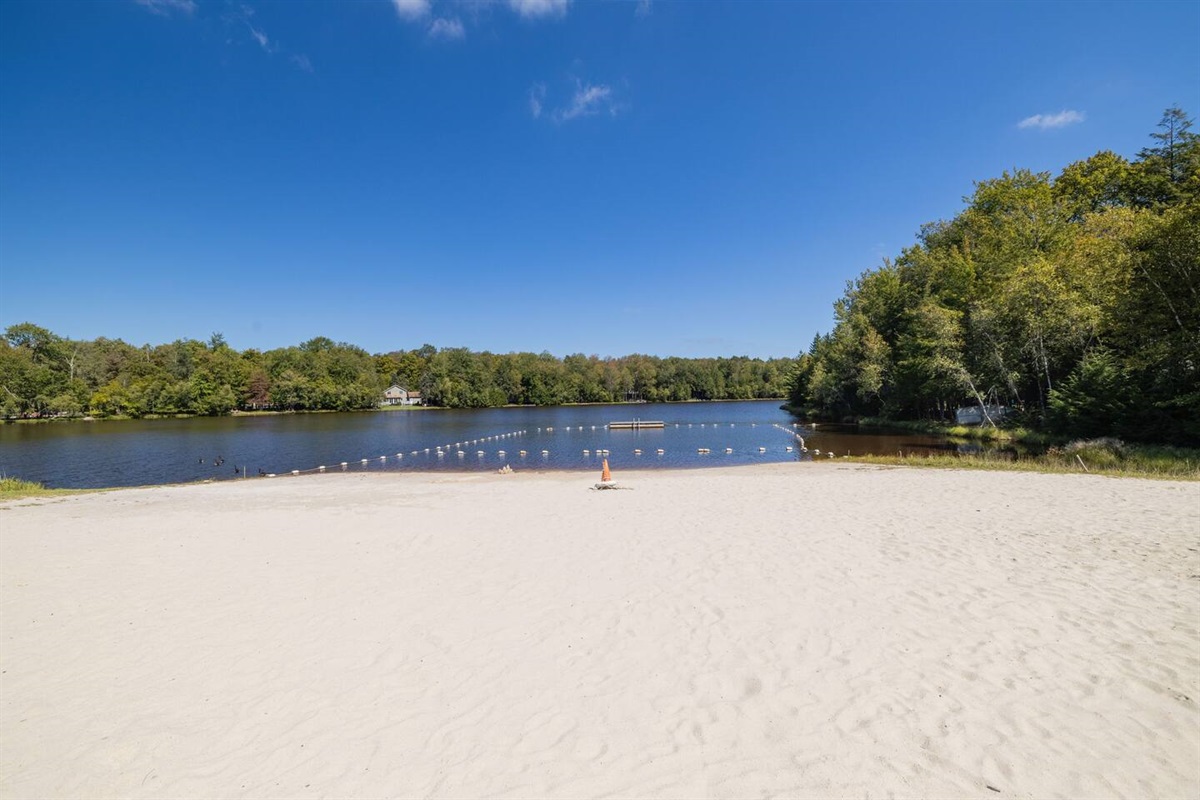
537, 96
236, 22
261, 38
644, 7
411, 9
1049, 121
531, 9
165, 7
444, 19
447, 28
585, 100
240, 29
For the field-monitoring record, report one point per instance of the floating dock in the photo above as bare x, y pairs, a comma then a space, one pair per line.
636, 424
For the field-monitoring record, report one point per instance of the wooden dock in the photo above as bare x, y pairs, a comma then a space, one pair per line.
636, 424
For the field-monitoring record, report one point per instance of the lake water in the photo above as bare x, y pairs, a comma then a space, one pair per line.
139, 452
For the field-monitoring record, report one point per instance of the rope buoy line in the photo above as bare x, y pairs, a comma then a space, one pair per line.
440, 451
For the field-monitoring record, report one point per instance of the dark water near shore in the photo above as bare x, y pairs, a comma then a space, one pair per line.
139, 452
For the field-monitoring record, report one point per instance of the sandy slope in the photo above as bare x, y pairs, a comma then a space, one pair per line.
792, 630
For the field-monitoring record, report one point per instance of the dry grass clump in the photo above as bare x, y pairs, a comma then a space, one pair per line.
1105, 456
15, 489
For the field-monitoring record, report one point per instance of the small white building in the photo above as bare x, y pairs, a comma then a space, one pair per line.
399, 396
975, 415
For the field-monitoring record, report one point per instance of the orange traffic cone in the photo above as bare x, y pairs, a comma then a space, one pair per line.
605, 475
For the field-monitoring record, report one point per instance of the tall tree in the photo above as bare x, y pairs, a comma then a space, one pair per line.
1175, 141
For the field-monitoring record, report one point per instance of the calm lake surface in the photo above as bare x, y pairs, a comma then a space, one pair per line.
140, 452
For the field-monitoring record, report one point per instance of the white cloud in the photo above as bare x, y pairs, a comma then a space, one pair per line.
643, 8
586, 102
452, 27
301, 61
539, 8
411, 9
1048, 121
167, 6
447, 28
537, 96
261, 38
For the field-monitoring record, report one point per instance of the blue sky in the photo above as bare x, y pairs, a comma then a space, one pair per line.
672, 178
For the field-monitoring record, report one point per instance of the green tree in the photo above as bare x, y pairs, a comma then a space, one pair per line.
1093, 400
1174, 153
1169, 171
1094, 184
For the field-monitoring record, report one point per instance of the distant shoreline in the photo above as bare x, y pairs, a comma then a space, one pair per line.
274, 413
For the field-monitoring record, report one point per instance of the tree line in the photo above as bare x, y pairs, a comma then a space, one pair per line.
43, 374
1073, 300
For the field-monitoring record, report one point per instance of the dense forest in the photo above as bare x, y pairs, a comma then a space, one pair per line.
1072, 300
42, 374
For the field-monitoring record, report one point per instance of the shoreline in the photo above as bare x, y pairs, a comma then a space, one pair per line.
802, 631
928, 463
271, 413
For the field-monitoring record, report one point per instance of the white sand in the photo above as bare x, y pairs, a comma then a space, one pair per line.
793, 630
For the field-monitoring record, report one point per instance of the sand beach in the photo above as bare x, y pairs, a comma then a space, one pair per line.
789, 630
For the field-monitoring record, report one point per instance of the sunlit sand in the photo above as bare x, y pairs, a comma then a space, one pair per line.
792, 630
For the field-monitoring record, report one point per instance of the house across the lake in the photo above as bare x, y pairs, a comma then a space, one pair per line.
399, 396
976, 415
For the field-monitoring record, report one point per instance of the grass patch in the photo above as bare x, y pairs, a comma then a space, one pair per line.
982, 433
1097, 457
17, 489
